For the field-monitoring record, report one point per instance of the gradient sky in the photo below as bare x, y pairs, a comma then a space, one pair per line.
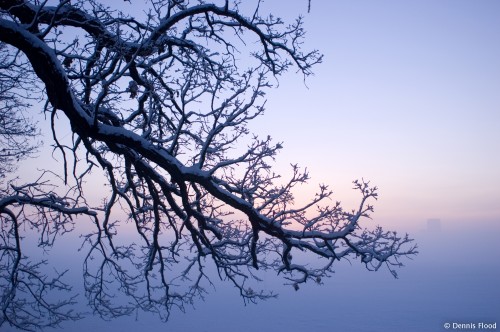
408, 96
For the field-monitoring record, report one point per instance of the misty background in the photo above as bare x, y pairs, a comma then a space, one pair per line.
453, 279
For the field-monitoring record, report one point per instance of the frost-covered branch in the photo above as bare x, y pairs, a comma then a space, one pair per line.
162, 105
27, 288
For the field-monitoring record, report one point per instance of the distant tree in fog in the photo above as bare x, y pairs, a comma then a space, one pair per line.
158, 103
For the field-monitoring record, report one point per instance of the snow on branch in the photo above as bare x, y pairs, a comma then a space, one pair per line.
161, 103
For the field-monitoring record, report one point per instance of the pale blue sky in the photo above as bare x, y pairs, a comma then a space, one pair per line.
408, 96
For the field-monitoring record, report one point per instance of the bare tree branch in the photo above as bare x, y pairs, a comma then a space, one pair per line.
162, 105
